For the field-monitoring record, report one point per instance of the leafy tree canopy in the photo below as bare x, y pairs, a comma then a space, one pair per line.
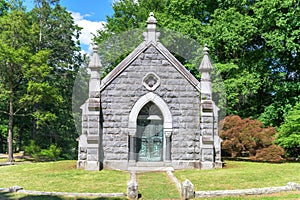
254, 45
289, 132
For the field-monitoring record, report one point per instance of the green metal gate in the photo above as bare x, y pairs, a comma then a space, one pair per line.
150, 140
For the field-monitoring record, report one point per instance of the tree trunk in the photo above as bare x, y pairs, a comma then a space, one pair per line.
10, 130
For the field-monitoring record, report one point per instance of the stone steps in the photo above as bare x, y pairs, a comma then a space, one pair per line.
150, 169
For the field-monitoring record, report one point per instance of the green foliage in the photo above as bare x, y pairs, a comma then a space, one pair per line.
50, 154
248, 137
289, 132
255, 45
32, 149
39, 59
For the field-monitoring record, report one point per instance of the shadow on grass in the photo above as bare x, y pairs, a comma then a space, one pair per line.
13, 196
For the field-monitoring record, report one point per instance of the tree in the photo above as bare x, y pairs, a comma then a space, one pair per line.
248, 137
254, 45
13, 56
56, 32
4, 6
288, 135
38, 62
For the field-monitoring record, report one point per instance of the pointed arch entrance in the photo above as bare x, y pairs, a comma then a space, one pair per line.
150, 129
149, 135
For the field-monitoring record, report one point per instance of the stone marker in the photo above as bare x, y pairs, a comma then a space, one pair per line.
187, 190
132, 187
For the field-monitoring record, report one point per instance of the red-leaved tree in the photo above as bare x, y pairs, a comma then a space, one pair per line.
248, 137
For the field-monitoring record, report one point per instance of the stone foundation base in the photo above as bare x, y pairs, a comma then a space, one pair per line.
175, 164
93, 165
81, 164
207, 165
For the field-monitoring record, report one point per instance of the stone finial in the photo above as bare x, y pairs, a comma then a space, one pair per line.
95, 67
205, 50
95, 48
205, 65
95, 63
205, 70
151, 34
151, 19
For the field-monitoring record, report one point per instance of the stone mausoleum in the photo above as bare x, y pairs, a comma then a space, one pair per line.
149, 112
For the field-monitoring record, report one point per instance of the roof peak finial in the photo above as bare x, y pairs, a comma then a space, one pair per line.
95, 47
205, 49
151, 19
151, 34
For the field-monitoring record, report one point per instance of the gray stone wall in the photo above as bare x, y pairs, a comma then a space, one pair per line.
118, 98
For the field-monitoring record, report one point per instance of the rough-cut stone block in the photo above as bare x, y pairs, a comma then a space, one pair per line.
187, 190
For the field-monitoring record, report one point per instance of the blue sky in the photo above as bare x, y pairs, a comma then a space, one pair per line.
88, 14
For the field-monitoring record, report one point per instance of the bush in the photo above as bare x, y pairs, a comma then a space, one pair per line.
39, 154
32, 149
272, 153
246, 137
50, 154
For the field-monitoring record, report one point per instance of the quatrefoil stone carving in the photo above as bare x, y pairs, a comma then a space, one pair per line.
151, 81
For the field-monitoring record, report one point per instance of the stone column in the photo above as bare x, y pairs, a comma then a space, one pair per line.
132, 153
132, 146
92, 116
168, 146
207, 114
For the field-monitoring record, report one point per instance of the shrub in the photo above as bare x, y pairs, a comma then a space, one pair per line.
272, 153
32, 149
39, 154
246, 137
50, 154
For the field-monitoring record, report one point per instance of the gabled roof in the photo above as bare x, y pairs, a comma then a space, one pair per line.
138, 51
151, 39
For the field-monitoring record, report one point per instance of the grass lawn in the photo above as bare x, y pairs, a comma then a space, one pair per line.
242, 175
11, 196
156, 185
62, 177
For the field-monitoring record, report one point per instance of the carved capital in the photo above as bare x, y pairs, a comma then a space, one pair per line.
168, 133
131, 132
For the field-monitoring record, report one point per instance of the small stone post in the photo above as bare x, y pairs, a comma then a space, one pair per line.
187, 190
132, 187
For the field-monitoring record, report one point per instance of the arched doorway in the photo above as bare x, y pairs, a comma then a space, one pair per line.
150, 134
150, 117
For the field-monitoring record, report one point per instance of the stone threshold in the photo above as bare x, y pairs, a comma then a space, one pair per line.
150, 169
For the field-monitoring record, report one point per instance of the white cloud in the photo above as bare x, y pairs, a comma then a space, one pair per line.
89, 27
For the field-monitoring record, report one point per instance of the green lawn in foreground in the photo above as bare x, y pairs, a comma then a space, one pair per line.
62, 177
156, 185
242, 175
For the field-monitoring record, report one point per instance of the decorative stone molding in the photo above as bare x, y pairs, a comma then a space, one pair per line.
151, 81
159, 102
168, 133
